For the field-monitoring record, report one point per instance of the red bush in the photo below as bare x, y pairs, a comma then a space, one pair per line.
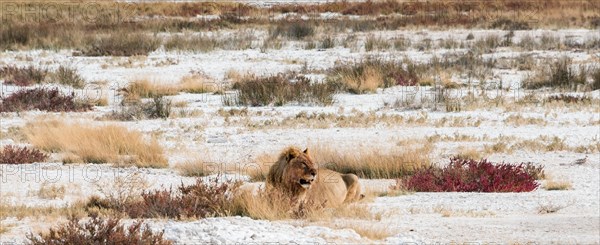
466, 175
23, 76
11, 154
198, 200
41, 99
99, 231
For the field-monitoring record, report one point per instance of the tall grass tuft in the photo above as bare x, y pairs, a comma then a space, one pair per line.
295, 30
69, 76
559, 74
373, 164
121, 44
282, 89
103, 144
370, 74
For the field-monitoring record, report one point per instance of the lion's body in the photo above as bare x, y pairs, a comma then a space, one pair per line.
333, 188
328, 187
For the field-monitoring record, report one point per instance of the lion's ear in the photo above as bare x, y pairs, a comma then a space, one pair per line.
306, 151
291, 155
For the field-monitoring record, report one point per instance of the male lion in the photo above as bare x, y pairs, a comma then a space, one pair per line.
296, 175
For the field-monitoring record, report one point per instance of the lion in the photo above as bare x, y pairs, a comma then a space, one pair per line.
296, 175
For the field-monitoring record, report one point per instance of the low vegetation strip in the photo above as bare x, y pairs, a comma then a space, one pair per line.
279, 90
368, 75
44, 99
121, 28
99, 230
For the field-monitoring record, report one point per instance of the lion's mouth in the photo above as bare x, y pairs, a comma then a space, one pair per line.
305, 183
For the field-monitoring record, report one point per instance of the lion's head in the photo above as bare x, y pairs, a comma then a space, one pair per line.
293, 172
296, 175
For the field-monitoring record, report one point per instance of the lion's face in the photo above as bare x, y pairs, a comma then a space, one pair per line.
301, 170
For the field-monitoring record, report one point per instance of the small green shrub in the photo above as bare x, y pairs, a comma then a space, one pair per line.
69, 76
559, 74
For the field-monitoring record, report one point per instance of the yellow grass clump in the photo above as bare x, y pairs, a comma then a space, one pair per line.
369, 80
373, 164
256, 202
262, 205
468, 153
365, 162
195, 168
103, 144
144, 88
557, 185
258, 171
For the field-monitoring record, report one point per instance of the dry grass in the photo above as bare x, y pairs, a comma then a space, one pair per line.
269, 206
23, 211
369, 80
448, 212
197, 83
559, 74
550, 206
121, 43
196, 168
519, 120
364, 162
4, 228
372, 163
540, 144
51, 191
468, 153
370, 232
145, 88
557, 185
122, 189
259, 171
498, 147
368, 75
103, 144
272, 205
125, 29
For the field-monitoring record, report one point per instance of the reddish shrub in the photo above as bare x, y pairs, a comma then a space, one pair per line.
19, 155
466, 175
41, 99
568, 98
23, 76
198, 200
99, 231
